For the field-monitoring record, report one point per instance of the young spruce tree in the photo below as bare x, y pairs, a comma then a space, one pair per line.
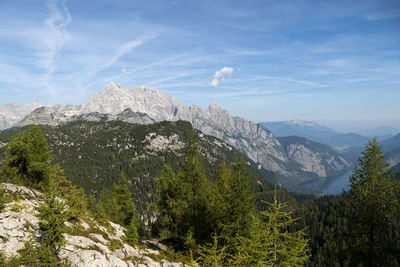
373, 195
27, 158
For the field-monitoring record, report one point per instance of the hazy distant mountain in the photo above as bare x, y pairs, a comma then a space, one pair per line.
12, 113
310, 130
391, 143
254, 140
382, 132
347, 144
391, 147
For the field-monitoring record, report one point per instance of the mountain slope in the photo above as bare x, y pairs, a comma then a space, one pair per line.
12, 113
310, 130
349, 145
391, 143
55, 115
313, 157
93, 154
254, 140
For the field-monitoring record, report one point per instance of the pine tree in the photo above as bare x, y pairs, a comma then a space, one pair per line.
116, 204
170, 205
212, 254
234, 208
184, 200
196, 190
271, 242
27, 158
374, 200
76, 198
53, 212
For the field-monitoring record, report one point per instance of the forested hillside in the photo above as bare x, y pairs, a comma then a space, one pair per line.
207, 203
94, 154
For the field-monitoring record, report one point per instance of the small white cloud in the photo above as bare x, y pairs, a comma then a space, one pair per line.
219, 76
123, 70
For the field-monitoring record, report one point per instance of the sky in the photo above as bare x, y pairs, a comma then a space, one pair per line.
334, 62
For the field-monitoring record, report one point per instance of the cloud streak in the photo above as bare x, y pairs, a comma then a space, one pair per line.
220, 75
58, 20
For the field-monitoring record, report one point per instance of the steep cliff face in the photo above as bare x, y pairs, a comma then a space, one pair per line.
313, 157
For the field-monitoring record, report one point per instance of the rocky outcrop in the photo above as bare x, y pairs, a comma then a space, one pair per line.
57, 115
95, 245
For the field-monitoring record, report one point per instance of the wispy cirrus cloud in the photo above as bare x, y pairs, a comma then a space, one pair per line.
56, 36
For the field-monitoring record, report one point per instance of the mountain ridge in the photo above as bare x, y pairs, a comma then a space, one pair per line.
254, 140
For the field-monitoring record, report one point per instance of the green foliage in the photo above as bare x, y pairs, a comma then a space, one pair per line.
212, 254
374, 198
116, 204
271, 242
184, 200
75, 198
36, 255
53, 212
27, 158
2, 200
131, 234
235, 202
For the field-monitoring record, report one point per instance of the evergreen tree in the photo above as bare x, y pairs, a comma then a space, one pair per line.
271, 242
170, 204
27, 158
212, 254
196, 191
184, 201
53, 212
76, 198
116, 204
375, 204
234, 208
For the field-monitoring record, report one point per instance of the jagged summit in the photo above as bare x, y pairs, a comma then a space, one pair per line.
114, 99
254, 140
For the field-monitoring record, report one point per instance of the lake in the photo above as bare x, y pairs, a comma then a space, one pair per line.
338, 184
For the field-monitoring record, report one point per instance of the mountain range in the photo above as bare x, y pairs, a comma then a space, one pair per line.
12, 113
255, 140
349, 145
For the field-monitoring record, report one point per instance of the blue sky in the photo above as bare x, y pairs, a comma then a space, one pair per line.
336, 62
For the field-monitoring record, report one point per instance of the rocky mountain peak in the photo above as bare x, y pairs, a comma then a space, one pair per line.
254, 140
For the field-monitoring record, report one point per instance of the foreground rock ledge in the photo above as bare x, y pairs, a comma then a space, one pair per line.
19, 222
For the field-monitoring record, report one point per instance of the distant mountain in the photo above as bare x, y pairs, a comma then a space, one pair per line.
12, 113
391, 147
391, 143
313, 157
349, 145
380, 132
254, 140
310, 130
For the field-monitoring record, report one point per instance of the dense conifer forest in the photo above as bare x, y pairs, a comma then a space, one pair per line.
219, 216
